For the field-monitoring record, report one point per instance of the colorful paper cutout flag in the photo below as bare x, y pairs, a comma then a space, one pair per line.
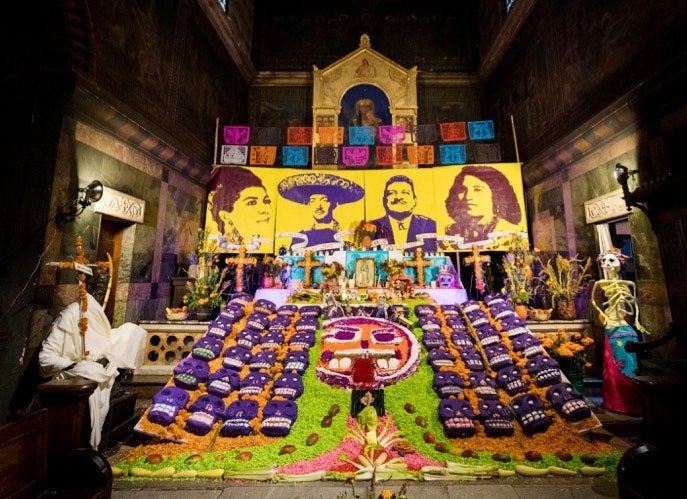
234, 155
326, 155
425, 155
295, 155
481, 130
355, 155
453, 132
361, 135
236, 135
487, 153
392, 134
263, 155
330, 135
267, 135
299, 135
452, 154
425, 134
384, 156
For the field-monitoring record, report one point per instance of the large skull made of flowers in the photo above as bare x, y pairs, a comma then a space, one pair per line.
529, 411
264, 359
223, 381
296, 361
207, 348
568, 402
510, 379
189, 372
205, 412
447, 383
457, 417
497, 356
393, 350
237, 418
278, 417
289, 386
166, 405
544, 369
253, 384
496, 417
527, 345
235, 357
483, 385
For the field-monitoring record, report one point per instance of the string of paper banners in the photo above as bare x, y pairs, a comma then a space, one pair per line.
358, 146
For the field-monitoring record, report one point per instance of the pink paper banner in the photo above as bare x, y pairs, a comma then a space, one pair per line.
392, 134
238, 135
355, 155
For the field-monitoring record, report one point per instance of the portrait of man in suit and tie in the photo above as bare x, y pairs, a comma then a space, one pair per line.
400, 224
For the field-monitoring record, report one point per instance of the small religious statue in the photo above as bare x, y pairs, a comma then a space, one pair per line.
620, 393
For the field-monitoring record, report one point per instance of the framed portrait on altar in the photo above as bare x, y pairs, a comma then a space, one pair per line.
365, 273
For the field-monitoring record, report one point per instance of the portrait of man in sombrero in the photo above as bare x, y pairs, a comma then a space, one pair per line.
321, 193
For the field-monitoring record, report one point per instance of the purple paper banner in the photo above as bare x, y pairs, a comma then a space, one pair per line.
238, 135
355, 155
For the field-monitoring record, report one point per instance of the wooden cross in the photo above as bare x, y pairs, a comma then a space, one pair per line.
309, 264
419, 265
241, 261
477, 260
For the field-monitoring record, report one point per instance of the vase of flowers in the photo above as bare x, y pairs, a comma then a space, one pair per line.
331, 272
364, 233
570, 351
393, 268
517, 267
563, 279
204, 293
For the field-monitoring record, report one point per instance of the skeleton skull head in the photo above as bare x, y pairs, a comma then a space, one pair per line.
429, 323
510, 379
237, 418
240, 299
425, 309
278, 417
248, 338
529, 411
501, 309
231, 313
483, 385
287, 310
312, 311
487, 335
279, 324
568, 402
496, 417
235, 357
457, 417
223, 381
497, 355
272, 341
189, 372
306, 325
304, 340
450, 310
166, 405
472, 358
433, 339
264, 359
462, 339
219, 329
205, 412
440, 357
514, 325
457, 324
494, 298
257, 322
544, 369
296, 361
470, 306
447, 383
289, 386
612, 262
253, 384
478, 318
264, 306
207, 348
527, 345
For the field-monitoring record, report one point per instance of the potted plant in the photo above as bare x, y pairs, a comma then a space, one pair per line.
331, 272
363, 235
570, 351
393, 267
562, 280
205, 291
517, 266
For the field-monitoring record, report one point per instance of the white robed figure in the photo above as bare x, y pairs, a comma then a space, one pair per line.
108, 350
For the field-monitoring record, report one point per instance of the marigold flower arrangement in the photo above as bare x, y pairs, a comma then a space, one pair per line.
517, 265
393, 267
205, 292
332, 270
364, 230
567, 349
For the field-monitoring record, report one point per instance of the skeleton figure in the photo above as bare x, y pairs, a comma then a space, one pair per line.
510, 379
483, 385
237, 418
529, 411
289, 386
207, 348
223, 381
447, 383
296, 361
189, 372
166, 405
205, 412
457, 417
496, 417
620, 392
545, 370
568, 402
278, 417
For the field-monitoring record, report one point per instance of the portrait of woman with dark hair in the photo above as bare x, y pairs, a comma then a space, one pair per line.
242, 210
482, 201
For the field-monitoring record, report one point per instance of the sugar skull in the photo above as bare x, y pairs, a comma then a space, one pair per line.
462, 339
514, 326
223, 381
470, 306
478, 318
235, 357
237, 418
207, 348
500, 310
497, 356
472, 358
189, 372
429, 323
279, 324
253, 384
446, 280
440, 357
496, 417
289, 386
545, 370
456, 324
278, 417
424, 309
233, 312
510, 379
272, 341
264, 359
205, 412
264, 306
257, 321
303, 340
457, 417
306, 325
494, 298
240, 299
527, 345
433, 339
568, 402
166, 405
487, 335
287, 310
248, 338
451, 311
483, 385
296, 361
220, 328
312, 311
529, 411
447, 383
393, 350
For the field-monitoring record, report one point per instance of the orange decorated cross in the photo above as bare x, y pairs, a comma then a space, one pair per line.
419, 264
477, 260
241, 261
309, 264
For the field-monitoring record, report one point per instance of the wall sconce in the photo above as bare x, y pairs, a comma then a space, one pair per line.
623, 175
87, 195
